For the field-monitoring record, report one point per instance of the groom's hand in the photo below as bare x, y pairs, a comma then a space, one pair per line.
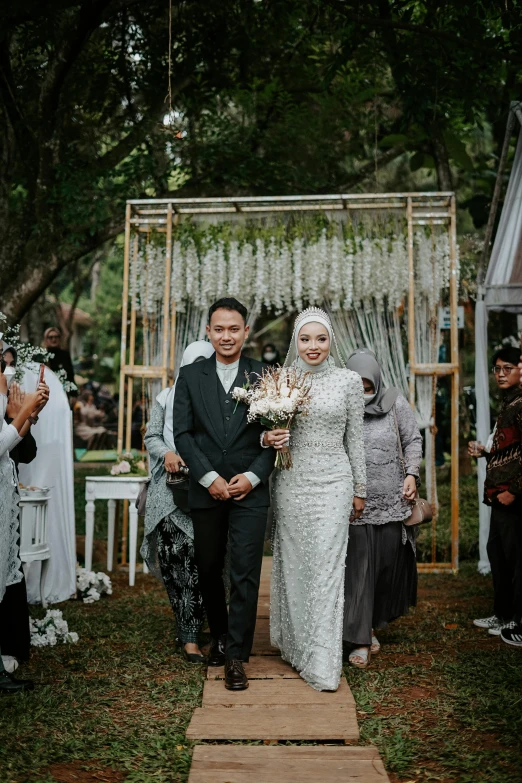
219, 489
239, 487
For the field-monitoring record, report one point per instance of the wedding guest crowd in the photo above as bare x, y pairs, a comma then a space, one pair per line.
89, 424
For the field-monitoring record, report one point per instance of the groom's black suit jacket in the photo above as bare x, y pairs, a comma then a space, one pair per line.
199, 432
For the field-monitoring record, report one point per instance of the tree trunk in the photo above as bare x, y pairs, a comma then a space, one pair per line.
440, 154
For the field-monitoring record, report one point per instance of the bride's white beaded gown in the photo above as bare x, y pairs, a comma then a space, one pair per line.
312, 504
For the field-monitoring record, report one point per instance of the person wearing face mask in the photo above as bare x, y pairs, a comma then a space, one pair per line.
271, 355
312, 502
381, 571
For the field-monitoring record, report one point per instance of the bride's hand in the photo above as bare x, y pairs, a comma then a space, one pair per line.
358, 507
277, 438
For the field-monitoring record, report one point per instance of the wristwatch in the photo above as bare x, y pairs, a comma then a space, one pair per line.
32, 419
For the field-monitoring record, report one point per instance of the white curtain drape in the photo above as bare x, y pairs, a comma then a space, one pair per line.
504, 275
381, 331
53, 467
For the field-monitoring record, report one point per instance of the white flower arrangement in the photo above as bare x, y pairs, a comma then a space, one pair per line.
129, 465
51, 630
275, 400
91, 585
121, 467
25, 351
285, 272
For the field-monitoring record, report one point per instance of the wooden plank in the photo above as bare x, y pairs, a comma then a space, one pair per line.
266, 764
262, 644
280, 692
260, 667
279, 723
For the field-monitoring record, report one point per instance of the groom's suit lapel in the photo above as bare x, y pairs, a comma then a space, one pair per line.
209, 392
238, 417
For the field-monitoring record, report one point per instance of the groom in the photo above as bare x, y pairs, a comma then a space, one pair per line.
228, 492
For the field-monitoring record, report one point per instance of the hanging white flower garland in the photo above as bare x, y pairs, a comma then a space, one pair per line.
284, 274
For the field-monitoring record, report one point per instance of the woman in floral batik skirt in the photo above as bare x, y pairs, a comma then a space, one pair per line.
168, 546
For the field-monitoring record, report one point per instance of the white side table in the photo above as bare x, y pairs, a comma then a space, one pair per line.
33, 505
113, 488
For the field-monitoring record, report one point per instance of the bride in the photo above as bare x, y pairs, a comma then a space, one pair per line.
312, 504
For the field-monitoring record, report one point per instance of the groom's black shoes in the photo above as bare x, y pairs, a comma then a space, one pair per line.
216, 656
235, 677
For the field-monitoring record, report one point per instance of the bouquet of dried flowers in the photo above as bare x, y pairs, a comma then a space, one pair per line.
275, 400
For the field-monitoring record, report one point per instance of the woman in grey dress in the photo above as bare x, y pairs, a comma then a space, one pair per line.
381, 572
312, 503
168, 545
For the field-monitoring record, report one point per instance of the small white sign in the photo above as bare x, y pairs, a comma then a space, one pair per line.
445, 318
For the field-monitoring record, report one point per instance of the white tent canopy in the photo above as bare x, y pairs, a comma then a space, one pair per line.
504, 276
500, 291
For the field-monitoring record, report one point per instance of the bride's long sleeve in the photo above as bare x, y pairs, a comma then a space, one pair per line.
353, 436
9, 436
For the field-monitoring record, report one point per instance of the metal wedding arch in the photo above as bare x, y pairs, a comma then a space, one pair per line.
383, 289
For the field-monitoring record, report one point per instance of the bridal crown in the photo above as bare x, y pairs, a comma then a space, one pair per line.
311, 311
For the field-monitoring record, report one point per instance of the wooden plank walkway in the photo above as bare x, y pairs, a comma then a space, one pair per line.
298, 764
277, 706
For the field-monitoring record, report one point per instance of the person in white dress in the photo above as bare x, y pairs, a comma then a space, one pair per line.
312, 504
53, 467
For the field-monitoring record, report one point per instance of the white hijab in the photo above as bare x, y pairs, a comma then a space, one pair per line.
313, 315
201, 349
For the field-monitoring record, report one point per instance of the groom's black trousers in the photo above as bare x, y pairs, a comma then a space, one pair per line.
244, 530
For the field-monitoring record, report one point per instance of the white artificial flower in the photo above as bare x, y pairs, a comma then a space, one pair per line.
115, 470
240, 394
72, 636
125, 466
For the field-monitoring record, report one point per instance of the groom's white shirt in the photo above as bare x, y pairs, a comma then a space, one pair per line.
227, 375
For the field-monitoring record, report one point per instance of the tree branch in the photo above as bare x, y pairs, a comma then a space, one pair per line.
367, 169
124, 147
22, 133
22, 291
429, 32
73, 40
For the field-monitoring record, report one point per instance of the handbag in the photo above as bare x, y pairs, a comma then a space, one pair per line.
141, 500
179, 484
421, 510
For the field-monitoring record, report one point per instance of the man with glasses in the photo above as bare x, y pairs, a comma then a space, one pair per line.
503, 492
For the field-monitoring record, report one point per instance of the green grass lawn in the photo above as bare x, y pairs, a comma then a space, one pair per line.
442, 701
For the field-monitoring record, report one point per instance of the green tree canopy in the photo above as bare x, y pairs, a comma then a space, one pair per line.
273, 97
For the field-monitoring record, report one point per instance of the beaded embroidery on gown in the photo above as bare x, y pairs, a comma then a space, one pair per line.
312, 503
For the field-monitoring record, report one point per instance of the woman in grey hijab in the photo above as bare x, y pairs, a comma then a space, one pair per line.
381, 571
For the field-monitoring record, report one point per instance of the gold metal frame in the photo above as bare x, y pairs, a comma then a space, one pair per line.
419, 208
